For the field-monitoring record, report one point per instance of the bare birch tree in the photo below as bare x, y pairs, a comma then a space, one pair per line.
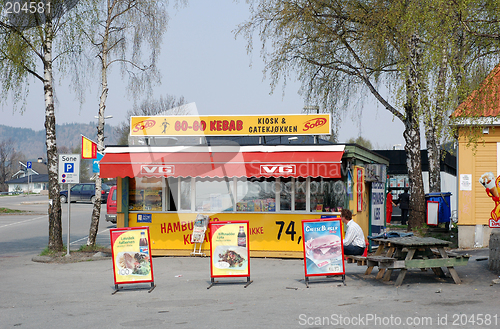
337, 48
168, 105
128, 33
29, 34
457, 60
9, 162
476, 41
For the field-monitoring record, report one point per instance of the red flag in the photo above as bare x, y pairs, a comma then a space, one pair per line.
89, 148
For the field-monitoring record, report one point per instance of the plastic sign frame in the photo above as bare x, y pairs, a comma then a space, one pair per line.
224, 241
433, 213
126, 248
69, 169
319, 238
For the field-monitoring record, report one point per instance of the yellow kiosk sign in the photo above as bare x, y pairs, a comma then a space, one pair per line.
236, 125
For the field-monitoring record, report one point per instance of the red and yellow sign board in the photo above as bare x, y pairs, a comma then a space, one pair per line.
89, 148
360, 186
236, 125
229, 249
270, 234
131, 253
323, 247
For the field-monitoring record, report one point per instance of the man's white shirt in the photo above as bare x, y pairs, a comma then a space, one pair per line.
354, 235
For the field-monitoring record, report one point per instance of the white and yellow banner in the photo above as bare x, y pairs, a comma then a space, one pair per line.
227, 125
89, 148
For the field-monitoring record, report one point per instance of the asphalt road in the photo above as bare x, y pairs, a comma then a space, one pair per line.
28, 233
80, 295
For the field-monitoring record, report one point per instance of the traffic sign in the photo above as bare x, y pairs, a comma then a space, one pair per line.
28, 164
69, 168
95, 162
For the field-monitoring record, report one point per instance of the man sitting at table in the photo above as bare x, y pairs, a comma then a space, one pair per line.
354, 240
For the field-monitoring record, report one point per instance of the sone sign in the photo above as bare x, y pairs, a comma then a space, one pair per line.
69, 168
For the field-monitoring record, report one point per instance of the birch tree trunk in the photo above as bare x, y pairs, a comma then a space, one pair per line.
412, 137
433, 156
433, 128
96, 212
54, 211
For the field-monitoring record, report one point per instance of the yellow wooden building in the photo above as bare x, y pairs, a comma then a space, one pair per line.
477, 117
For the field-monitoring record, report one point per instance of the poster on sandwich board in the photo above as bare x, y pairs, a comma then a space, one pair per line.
323, 247
131, 255
229, 249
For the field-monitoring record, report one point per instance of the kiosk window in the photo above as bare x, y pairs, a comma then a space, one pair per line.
326, 195
286, 194
172, 192
214, 194
185, 190
145, 194
300, 194
256, 194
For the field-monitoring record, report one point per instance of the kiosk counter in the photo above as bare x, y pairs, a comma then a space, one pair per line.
274, 188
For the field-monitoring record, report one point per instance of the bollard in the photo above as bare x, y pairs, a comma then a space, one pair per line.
494, 245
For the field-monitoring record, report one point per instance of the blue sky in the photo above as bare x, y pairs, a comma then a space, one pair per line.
202, 61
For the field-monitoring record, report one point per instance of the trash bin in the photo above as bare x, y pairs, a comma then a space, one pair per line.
443, 198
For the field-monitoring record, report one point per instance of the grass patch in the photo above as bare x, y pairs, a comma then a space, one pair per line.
83, 254
81, 250
10, 211
397, 226
47, 252
94, 248
449, 235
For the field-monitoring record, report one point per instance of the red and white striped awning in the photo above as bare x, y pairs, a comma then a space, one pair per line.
223, 161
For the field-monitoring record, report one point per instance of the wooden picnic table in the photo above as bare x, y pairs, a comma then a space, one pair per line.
410, 252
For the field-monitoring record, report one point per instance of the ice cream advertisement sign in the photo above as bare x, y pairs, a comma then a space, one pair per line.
491, 184
323, 247
131, 255
229, 250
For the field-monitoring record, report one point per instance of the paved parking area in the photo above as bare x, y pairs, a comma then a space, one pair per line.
79, 295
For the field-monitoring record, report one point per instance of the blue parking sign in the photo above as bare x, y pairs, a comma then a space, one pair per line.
28, 164
69, 167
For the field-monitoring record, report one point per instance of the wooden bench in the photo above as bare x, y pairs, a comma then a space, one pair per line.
380, 261
414, 253
450, 254
383, 263
360, 260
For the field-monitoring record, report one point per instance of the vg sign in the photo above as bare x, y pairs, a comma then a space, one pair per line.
69, 168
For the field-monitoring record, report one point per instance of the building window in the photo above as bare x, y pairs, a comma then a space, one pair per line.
327, 195
145, 194
300, 194
236, 194
214, 194
256, 194
172, 192
185, 193
286, 193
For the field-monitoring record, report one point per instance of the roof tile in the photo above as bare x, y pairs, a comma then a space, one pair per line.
484, 101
